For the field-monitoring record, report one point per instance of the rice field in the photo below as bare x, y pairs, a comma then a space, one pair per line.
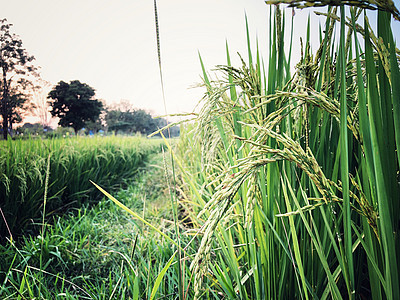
58, 171
283, 186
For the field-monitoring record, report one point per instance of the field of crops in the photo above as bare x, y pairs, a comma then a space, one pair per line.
283, 186
59, 170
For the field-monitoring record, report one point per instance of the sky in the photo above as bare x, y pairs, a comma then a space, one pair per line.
111, 45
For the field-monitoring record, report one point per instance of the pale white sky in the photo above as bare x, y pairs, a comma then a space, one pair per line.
111, 45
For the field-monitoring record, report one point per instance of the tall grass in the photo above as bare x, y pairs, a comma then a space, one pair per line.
73, 162
99, 252
295, 178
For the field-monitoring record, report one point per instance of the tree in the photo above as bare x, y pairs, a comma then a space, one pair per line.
15, 64
74, 104
119, 117
126, 119
34, 129
130, 121
118, 120
143, 122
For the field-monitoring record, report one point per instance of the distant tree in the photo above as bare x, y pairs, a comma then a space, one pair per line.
118, 120
143, 122
74, 104
34, 129
129, 120
15, 66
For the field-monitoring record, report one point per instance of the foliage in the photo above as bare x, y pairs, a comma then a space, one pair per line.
15, 66
295, 178
73, 103
29, 129
131, 120
118, 120
110, 161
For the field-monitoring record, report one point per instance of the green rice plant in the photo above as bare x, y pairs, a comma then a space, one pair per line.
294, 179
110, 161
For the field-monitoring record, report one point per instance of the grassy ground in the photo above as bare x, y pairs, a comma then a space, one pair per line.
97, 253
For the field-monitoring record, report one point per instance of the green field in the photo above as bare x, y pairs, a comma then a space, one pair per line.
283, 186
63, 167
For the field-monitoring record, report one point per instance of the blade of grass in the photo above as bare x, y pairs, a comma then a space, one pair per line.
131, 212
160, 277
344, 160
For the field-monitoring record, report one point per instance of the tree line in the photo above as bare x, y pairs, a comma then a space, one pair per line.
73, 103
